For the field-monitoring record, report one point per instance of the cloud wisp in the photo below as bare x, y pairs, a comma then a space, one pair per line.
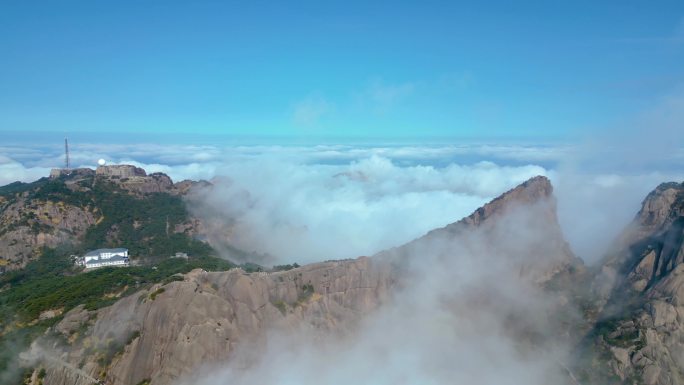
462, 313
309, 112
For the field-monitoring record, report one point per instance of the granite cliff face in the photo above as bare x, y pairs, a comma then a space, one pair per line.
523, 219
203, 318
27, 225
641, 288
169, 331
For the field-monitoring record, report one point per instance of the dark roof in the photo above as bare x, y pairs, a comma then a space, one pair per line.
99, 251
112, 259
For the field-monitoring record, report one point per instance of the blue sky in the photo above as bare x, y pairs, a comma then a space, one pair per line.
171, 71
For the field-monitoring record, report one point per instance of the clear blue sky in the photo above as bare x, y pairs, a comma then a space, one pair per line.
476, 69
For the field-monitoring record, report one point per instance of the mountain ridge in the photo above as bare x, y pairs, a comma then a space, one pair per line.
328, 297
623, 318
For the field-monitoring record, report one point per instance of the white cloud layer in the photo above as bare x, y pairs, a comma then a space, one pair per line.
296, 211
13, 171
293, 202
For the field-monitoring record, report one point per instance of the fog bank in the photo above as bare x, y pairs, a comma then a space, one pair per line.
295, 211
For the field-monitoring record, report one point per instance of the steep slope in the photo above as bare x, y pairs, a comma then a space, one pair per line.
525, 218
89, 209
28, 224
171, 330
640, 336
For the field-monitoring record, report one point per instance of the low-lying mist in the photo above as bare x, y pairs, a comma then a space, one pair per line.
290, 203
292, 210
295, 212
469, 309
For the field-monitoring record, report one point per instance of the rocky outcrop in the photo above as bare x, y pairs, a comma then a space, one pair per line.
168, 331
185, 187
120, 171
71, 173
535, 191
136, 180
27, 225
528, 210
642, 321
153, 183
30, 221
628, 327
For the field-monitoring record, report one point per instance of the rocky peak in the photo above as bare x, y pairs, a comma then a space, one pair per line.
652, 246
521, 224
137, 181
644, 275
661, 206
532, 191
121, 171
71, 173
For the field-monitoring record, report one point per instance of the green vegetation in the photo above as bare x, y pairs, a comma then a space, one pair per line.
595, 354
143, 224
613, 335
51, 283
285, 267
307, 292
154, 294
281, 306
173, 278
132, 337
20, 187
112, 348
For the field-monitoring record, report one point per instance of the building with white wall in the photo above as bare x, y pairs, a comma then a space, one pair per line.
105, 257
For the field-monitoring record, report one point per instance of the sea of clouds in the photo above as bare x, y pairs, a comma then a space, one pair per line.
311, 203
293, 202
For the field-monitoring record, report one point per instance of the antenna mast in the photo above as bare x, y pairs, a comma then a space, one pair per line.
66, 154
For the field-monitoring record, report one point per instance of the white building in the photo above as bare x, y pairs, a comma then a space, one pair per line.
105, 257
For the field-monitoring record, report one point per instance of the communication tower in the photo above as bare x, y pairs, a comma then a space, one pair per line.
66, 155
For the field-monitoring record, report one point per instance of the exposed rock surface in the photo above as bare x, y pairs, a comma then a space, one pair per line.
120, 171
136, 180
632, 321
27, 225
204, 317
528, 211
74, 172
642, 322
168, 331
